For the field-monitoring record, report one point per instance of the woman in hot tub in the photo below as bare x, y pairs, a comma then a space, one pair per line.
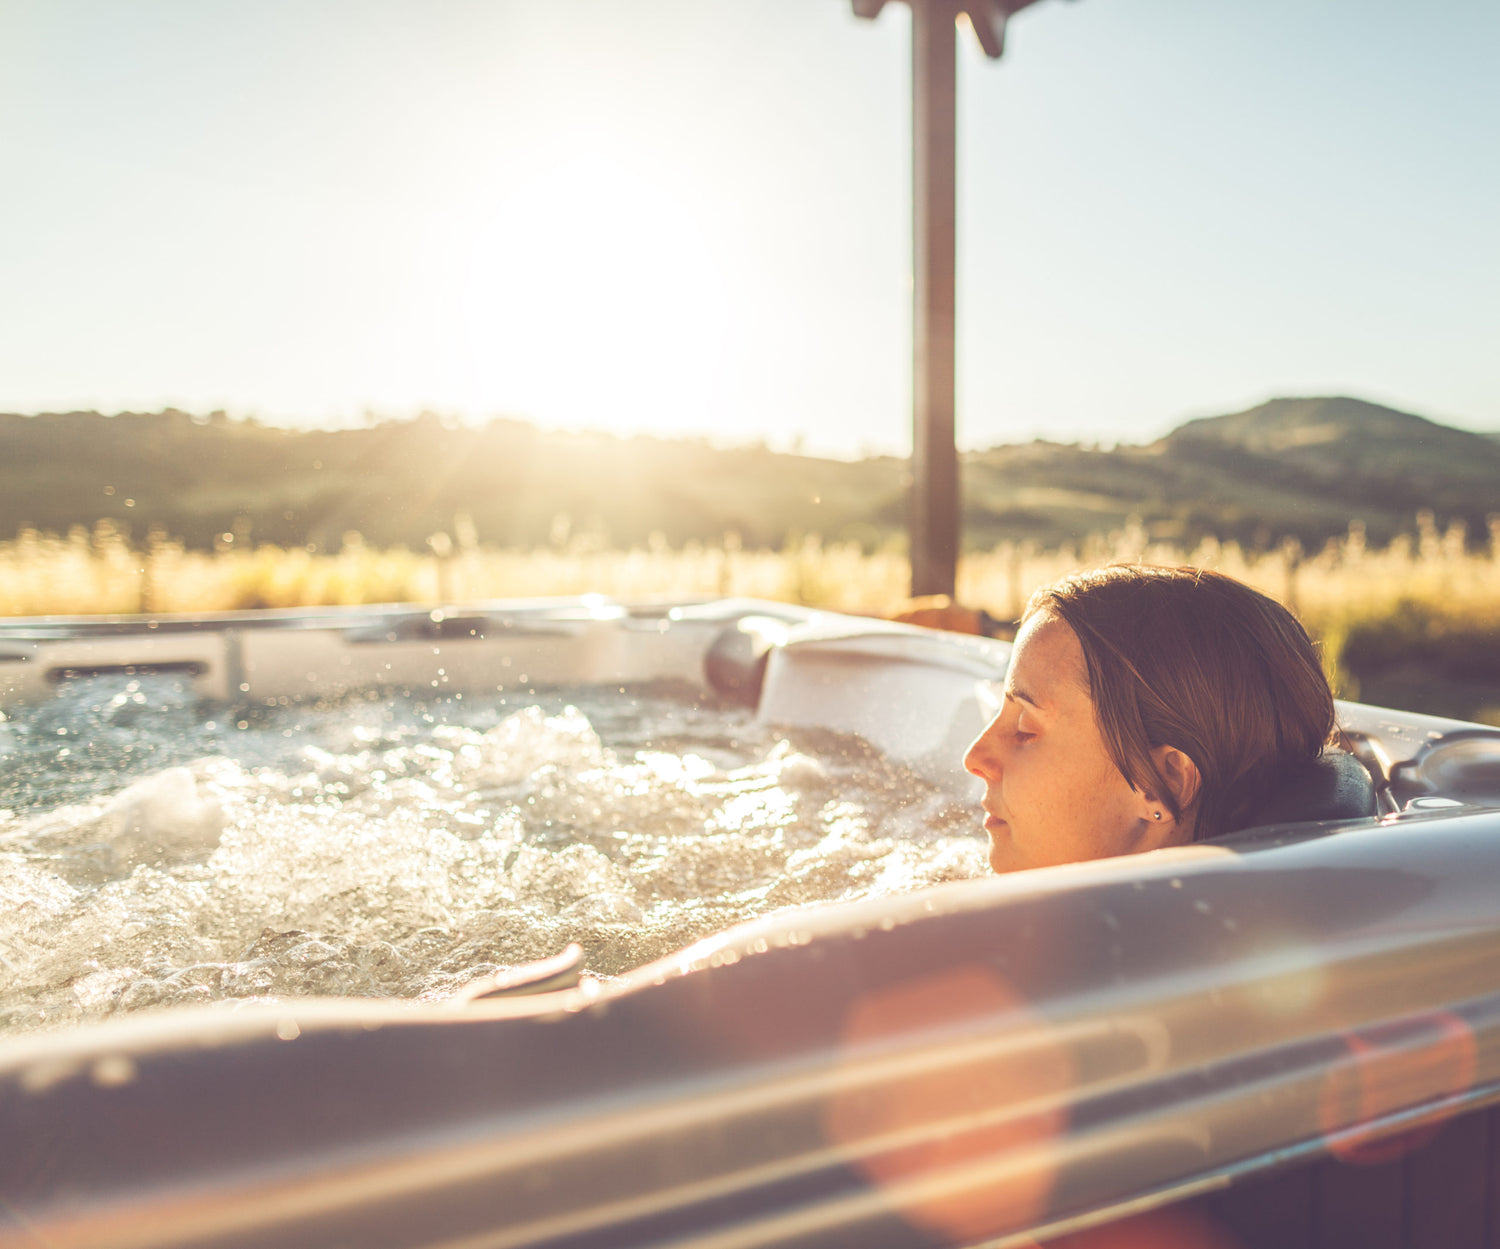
1145, 707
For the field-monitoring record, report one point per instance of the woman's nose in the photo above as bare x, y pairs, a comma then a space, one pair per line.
980, 758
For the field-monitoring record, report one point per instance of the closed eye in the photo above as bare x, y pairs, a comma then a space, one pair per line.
1023, 729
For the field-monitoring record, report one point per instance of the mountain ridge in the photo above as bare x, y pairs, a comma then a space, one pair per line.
1298, 467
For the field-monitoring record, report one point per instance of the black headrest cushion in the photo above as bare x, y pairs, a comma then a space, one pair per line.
1335, 787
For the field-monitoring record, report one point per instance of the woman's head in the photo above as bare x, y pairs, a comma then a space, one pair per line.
1144, 707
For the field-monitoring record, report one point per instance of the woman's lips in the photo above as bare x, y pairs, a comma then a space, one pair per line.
993, 823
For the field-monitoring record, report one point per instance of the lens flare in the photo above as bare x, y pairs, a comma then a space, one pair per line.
1391, 1068
953, 1102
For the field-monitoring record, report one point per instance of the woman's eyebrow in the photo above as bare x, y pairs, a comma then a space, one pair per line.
1021, 696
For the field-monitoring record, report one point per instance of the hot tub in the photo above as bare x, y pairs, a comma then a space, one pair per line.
1296, 1029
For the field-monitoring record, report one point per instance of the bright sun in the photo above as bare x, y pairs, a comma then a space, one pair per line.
593, 297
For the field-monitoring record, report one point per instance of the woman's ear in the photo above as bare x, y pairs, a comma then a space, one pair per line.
1182, 777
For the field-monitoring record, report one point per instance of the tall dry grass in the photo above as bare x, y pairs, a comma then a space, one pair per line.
1344, 582
99, 572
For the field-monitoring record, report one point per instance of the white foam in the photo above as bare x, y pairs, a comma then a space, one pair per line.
393, 848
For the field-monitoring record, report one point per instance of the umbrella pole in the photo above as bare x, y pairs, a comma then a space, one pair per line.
935, 497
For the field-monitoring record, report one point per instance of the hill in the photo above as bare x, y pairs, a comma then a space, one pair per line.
1289, 468
401, 481
1300, 468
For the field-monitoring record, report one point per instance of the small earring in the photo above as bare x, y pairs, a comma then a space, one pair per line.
1156, 815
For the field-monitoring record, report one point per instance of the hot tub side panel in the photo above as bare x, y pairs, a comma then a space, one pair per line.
1001, 1057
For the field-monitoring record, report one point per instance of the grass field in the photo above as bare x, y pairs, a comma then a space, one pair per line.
1415, 624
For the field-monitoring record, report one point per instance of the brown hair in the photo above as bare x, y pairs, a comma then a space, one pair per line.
1194, 659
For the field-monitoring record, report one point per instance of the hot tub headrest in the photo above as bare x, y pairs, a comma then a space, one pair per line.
1336, 787
735, 665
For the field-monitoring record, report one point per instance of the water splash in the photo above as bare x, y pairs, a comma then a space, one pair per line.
157, 852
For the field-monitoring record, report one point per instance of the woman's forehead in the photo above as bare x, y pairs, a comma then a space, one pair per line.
1047, 667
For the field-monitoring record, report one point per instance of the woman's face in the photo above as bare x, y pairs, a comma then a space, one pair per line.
1052, 794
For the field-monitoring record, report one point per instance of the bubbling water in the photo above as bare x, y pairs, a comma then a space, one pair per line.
157, 851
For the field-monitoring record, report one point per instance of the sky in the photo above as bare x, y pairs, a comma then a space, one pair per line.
692, 217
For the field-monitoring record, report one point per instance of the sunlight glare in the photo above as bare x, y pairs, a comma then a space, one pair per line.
592, 296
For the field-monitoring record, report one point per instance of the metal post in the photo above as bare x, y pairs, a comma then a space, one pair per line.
934, 83
935, 498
